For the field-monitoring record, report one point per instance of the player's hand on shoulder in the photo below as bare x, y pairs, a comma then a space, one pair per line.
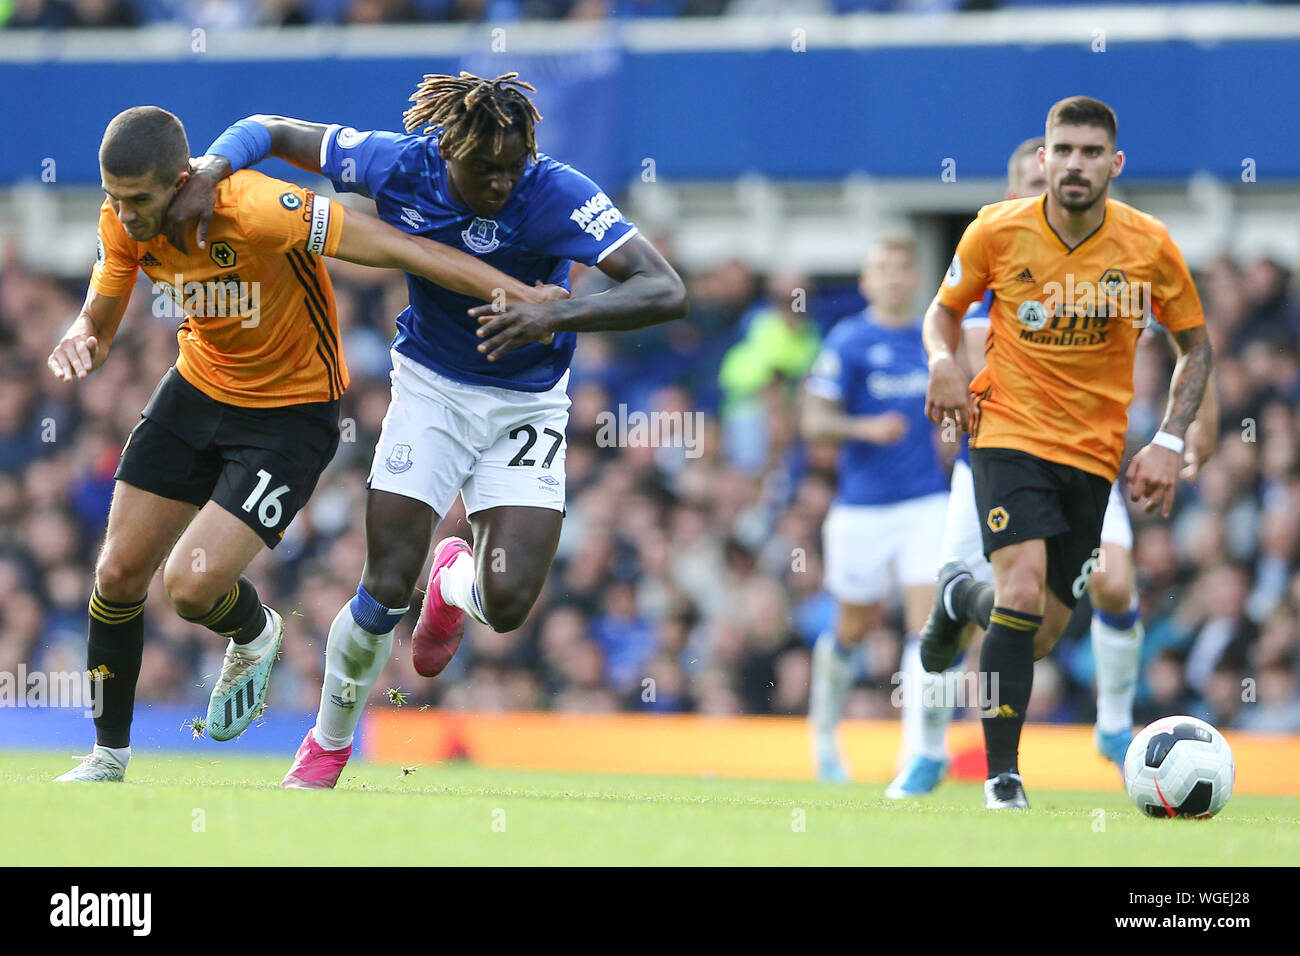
1201, 444
883, 429
504, 328
947, 394
194, 201
1151, 477
76, 356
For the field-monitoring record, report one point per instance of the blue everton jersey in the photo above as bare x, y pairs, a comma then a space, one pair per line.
555, 215
870, 370
976, 317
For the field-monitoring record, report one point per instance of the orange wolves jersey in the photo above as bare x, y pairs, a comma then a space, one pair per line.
259, 327
1064, 325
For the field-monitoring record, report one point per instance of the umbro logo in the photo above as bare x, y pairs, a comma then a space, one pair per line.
150, 260
412, 217
1025, 276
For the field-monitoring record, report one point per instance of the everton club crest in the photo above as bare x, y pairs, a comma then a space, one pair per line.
481, 236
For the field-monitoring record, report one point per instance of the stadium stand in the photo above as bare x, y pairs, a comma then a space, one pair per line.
673, 567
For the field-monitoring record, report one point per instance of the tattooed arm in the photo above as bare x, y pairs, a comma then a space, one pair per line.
1154, 469
1187, 387
1202, 434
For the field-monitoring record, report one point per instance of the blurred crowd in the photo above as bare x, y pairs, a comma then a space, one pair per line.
233, 14
688, 579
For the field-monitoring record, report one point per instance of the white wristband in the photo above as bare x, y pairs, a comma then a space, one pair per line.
1172, 442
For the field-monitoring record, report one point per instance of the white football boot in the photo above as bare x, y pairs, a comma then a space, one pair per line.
98, 766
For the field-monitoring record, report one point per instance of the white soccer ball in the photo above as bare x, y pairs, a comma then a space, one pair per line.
1179, 767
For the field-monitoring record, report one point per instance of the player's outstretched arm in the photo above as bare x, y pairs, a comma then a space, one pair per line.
649, 292
367, 241
1154, 470
85, 345
947, 395
249, 141
295, 141
822, 419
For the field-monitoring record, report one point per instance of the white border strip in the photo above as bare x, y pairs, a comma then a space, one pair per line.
320, 224
325, 143
1072, 25
615, 244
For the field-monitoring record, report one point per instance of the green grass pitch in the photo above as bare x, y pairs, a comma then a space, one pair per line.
178, 810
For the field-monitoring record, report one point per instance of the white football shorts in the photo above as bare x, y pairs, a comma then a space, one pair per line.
871, 550
1116, 526
961, 528
495, 446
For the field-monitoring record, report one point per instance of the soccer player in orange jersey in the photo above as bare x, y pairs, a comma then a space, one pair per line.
234, 438
1116, 629
1075, 278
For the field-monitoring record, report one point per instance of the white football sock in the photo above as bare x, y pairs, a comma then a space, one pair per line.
1117, 653
925, 713
832, 679
353, 659
120, 754
460, 589
259, 642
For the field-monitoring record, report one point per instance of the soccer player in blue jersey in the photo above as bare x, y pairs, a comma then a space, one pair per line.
881, 538
478, 391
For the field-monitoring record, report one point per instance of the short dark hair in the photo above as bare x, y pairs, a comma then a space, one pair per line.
144, 140
1084, 111
1028, 148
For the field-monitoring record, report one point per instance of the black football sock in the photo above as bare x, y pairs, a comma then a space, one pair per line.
238, 615
972, 601
114, 648
1007, 677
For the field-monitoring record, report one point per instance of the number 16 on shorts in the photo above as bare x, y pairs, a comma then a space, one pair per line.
269, 508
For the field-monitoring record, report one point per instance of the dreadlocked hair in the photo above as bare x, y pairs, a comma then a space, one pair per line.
468, 109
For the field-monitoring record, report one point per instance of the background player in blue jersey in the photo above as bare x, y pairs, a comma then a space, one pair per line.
867, 390
478, 394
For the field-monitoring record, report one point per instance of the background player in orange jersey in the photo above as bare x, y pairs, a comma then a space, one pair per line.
233, 440
1075, 277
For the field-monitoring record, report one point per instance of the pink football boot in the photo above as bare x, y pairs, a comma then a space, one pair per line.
441, 625
314, 767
